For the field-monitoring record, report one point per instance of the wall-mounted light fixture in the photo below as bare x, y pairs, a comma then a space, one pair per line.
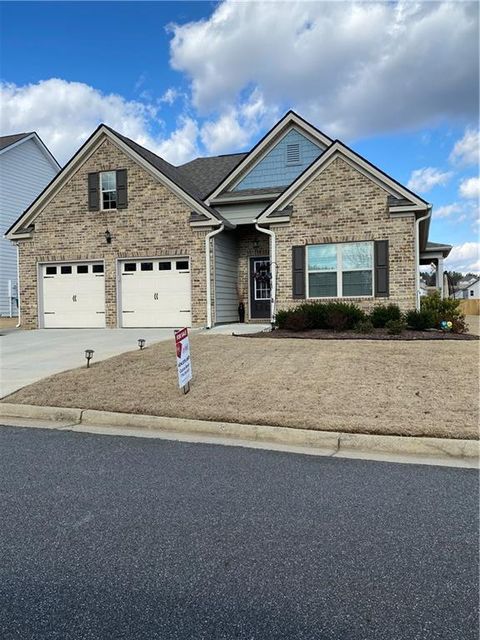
108, 237
88, 356
141, 343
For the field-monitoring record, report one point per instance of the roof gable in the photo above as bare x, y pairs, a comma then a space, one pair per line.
281, 164
162, 170
407, 201
10, 142
264, 145
207, 173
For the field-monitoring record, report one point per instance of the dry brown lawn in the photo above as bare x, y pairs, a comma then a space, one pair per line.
414, 388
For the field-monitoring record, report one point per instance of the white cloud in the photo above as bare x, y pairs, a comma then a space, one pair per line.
470, 188
422, 180
464, 257
447, 210
353, 69
65, 113
170, 95
466, 150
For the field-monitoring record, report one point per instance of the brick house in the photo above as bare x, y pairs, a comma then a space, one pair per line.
122, 238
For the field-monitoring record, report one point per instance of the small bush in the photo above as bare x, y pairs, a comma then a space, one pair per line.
395, 327
420, 320
281, 318
364, 326
342, 316
444, 309
384, 313
298, 321
459, 325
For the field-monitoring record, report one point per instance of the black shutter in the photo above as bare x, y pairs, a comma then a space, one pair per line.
93, 192
381, 269
298, 272
122, 200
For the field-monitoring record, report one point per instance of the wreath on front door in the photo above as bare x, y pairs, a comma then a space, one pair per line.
263, 274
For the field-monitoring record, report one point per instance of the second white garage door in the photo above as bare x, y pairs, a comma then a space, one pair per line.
155, 293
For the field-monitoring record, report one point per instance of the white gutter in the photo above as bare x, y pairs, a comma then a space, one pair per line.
417, 256
209, 284
273, 263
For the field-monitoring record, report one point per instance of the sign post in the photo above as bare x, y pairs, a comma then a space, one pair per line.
184, 363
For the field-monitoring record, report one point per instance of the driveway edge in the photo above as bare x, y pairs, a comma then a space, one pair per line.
336, 442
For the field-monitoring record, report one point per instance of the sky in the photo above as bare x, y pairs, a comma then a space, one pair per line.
396, 81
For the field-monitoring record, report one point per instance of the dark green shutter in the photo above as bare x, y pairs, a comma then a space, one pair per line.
381, 269
122, 200
298, 272
93, 192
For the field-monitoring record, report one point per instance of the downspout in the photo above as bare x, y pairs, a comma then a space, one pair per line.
18, 287
208, 267
417, 256
273, 263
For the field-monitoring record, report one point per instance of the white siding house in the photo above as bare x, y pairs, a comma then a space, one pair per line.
26, 167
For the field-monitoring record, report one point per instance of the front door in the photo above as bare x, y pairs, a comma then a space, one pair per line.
260, 294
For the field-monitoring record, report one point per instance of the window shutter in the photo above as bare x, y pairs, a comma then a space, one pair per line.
381, 269
122, 200
93, 192
298, 272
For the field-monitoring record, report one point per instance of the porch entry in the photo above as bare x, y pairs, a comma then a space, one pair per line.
260, 292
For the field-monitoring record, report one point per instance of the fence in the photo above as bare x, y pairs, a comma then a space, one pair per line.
470, 307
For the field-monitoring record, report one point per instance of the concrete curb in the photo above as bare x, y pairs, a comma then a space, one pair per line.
336, 442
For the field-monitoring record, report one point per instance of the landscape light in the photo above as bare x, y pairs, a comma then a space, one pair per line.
141, 343
89, 355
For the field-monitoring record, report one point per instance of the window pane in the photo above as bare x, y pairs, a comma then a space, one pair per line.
322, 257
357, 255
97, 268
357, 283
146, 266
51, 271
82, 268
322, 285
182, 264
165, 266
130, 266
108, 181
66, 269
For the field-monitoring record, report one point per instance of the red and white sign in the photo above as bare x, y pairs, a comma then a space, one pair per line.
184, 364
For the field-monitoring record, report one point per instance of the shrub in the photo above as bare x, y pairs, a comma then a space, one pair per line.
336, 316
342, 316
395, 327
444, 309
364, 326
383, 313
459, 325
420, 320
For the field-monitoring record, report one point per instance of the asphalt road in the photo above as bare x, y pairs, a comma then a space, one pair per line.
112, 537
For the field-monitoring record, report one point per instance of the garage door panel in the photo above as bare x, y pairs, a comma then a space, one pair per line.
73, 297
155, 298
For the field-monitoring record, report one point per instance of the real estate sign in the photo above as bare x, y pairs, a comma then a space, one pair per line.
184, 363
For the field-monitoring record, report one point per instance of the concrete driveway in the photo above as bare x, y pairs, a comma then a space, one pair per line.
28, 356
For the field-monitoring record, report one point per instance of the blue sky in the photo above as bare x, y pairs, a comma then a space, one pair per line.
396, 81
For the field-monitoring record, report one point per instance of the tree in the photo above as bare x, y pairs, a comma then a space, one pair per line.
454, 277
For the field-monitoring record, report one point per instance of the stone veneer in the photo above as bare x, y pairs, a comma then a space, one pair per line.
155, 224
343, 205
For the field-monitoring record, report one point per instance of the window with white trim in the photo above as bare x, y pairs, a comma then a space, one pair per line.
340, 270
108, 189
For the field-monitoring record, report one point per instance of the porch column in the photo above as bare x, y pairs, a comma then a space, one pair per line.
439, 276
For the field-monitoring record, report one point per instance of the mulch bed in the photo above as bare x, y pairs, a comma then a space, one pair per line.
378, 334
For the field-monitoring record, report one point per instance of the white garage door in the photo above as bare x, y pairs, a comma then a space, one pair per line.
156, 293
73, 295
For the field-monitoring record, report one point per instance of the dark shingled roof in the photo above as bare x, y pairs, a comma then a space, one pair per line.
207, 173
6, 141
